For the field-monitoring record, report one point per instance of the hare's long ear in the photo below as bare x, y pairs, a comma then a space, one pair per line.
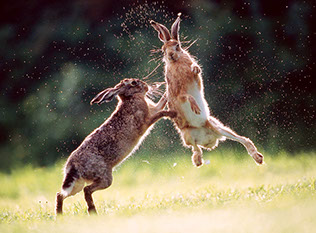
175, 28
163, 32
105, 96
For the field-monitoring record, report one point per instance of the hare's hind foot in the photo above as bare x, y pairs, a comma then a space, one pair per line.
252, 150
197, 159
258, 157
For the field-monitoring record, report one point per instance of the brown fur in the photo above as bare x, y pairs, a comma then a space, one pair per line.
108, 145
185, 88
178, 87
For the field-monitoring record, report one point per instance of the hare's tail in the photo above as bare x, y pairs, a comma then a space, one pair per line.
71, 176
70, 187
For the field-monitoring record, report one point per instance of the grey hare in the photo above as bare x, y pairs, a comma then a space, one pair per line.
108, 145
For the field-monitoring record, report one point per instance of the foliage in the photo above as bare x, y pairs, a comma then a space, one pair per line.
55, 56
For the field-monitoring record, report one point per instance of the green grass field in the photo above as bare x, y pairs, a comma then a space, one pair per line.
156, 194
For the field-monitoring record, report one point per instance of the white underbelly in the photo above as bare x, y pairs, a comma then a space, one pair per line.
196, 120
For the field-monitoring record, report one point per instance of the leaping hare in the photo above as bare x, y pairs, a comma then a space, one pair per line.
186, 96
92, 162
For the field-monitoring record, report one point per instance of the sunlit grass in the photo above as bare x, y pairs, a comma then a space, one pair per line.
232, 192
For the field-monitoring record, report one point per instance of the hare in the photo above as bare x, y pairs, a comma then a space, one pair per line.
107, 146
185, 93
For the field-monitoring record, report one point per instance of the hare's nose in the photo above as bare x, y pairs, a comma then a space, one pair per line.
171, 54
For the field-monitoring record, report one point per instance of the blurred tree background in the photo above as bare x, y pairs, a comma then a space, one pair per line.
257, 59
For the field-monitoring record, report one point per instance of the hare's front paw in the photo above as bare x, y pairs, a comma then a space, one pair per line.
173, 114
195, 69
194, 106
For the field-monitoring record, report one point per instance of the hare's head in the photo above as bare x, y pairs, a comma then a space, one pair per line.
126, 88
172, 47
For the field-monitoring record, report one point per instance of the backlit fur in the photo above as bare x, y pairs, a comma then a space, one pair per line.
111, 143
186, 96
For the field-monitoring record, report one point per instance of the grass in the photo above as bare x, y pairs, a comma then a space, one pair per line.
156, 194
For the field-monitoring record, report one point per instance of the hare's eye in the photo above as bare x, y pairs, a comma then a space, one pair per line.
133, 83
177, 47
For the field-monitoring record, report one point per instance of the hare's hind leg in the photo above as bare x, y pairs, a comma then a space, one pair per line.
98, 184
247, 143
71, 186
59, 203
75, 187
190, 136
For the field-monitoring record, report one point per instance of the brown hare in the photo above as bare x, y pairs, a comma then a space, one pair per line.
186, 96
107, 146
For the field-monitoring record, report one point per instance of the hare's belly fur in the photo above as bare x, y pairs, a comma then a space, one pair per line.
196, 120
